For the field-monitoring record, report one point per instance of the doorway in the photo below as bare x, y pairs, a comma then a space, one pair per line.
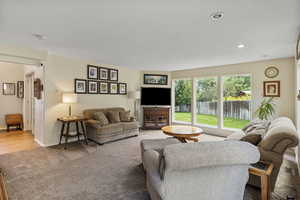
23, 103
29, 103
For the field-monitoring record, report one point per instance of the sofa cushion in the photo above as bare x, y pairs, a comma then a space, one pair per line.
237, 135
101, 118
125, 116
130, 125
89, 112
110, 128
257, 127
113, 116
252, 138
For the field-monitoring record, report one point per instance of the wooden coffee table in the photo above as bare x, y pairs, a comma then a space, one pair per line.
183, 133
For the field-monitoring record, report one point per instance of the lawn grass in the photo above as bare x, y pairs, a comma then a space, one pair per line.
211, 120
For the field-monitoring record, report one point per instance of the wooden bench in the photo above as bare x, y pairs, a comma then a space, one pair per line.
14, 120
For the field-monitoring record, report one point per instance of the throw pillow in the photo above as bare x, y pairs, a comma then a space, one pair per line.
252, 138
100, 116
113, 116
125, 116
237, 135
257, 127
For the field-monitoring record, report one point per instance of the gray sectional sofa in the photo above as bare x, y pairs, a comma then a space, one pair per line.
112, 131
204, 170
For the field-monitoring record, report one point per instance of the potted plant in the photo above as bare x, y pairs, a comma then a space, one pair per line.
266, 109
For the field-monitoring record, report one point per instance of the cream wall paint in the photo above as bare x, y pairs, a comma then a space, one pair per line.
10, 73
60, 73
284, 104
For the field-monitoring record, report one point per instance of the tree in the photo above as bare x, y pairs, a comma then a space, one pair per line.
183, 92
207, 89
233, 85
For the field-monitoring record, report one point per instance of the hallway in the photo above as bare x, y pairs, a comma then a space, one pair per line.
14, 141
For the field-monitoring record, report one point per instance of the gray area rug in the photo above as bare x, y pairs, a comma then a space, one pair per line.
109, 172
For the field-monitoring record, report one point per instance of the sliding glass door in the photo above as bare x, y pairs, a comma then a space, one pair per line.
183, 100
207, 101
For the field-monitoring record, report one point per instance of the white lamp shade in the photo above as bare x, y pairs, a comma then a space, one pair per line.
69, 98
134, 95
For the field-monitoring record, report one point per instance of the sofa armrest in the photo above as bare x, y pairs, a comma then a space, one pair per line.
152, 159
279, 142
209, 154
93, 123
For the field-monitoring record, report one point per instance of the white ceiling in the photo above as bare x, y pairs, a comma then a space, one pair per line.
155, 34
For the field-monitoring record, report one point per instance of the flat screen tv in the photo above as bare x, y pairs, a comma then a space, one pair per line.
156, 96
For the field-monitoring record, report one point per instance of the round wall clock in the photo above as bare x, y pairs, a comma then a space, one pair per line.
271, 72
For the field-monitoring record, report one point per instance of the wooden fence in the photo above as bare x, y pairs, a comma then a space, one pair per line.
232, 109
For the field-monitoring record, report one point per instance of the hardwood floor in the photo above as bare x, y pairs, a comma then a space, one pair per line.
14, 141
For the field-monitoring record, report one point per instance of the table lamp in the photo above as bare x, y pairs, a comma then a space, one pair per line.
69, 98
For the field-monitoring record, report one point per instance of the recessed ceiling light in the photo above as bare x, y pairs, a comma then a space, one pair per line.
240, 46
217, 16
39, 36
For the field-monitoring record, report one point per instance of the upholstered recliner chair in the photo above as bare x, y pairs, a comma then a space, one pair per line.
206, 170
280, 136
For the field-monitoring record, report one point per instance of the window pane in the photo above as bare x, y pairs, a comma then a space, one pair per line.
183, 99
207, 101
236, 101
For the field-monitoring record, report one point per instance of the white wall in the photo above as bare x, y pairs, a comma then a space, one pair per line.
284, 104
60, 73
10, 73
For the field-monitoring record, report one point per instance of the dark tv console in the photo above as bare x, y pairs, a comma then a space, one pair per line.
155, 117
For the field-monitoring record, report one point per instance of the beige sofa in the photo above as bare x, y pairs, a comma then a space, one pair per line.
281, 135
111, 132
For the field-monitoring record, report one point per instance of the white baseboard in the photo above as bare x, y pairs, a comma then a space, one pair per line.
39, 142
74, 139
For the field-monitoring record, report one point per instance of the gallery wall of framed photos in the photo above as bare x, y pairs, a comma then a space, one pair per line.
100, 80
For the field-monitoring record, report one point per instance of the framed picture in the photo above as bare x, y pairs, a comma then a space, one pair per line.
38, 88
113, 75
9, 89
20, 89
103, 73
80, 86
298, 48
113, 88
155, 79
123, 88
92, 87
271, 88
103, 88
92, 72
